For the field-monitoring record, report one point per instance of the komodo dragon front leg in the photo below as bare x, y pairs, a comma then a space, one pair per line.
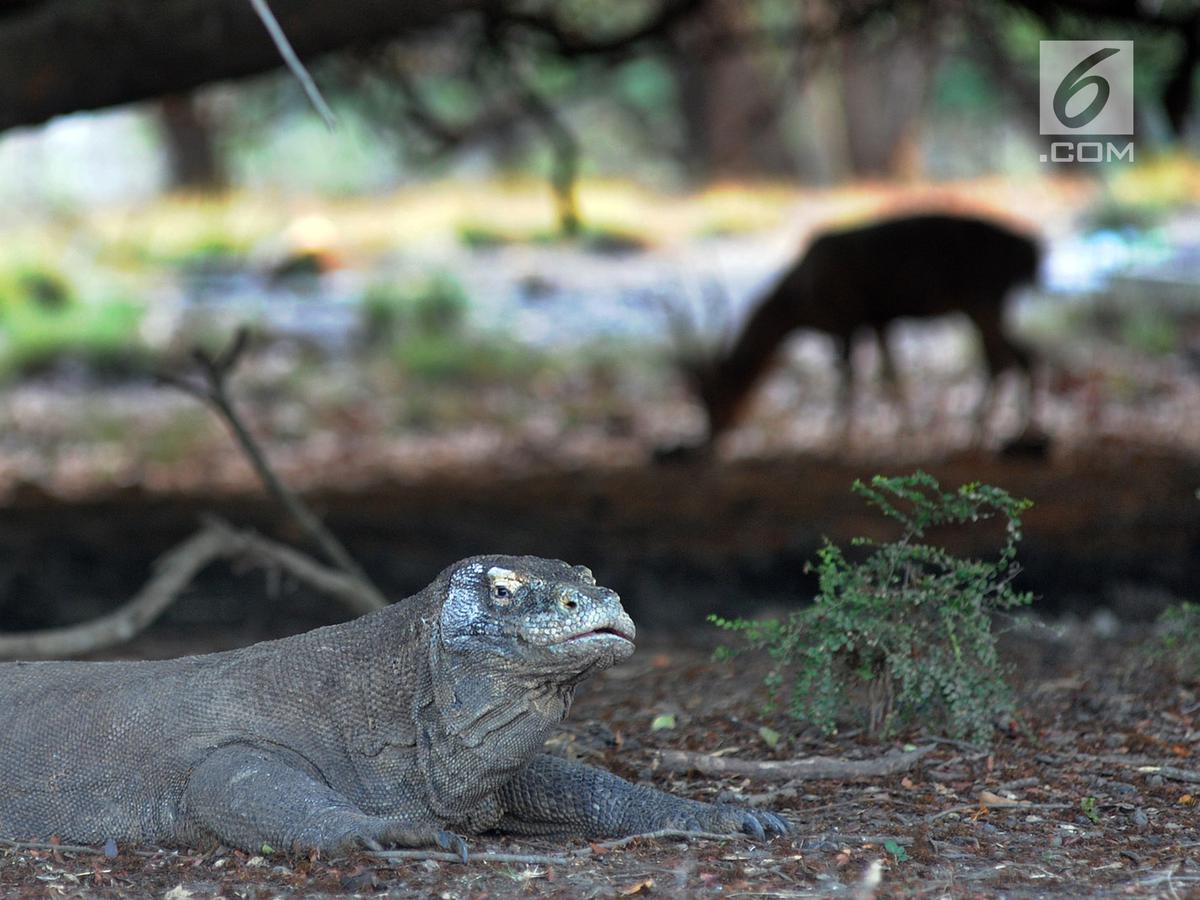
553, 796
246, 797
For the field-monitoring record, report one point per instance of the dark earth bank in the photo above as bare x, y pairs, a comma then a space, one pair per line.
1118, 529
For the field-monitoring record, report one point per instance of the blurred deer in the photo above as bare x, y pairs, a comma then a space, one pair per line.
917, 266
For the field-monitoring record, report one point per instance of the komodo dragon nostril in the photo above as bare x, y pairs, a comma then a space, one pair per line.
568, 602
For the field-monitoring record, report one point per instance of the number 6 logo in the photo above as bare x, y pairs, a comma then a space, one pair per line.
1074, 82
1085, 87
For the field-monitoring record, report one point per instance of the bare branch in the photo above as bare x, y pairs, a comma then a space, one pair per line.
557, 859
174, 570
811, 768
526, 859
264, 551
215, 393
293, 62
52, 847
565, 171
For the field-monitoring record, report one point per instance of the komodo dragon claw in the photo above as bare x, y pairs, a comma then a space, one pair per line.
448, 840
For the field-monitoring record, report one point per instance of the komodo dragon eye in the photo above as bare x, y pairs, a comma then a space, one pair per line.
502, 585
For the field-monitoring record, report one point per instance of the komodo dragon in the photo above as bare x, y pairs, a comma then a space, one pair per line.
401, 728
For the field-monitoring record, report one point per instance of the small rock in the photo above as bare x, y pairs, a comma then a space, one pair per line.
1104, 623
1139, 818
1083, 820
1121, 787
1155, 781
360, 882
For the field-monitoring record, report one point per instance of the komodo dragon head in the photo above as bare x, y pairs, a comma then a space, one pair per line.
536, 615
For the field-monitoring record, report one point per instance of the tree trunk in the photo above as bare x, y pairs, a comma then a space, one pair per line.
884, 86
731, 117
192, 158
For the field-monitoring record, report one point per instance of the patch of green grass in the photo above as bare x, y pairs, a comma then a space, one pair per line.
594, 238
102, 335
422, 326
208, 254
177, 439
904, 635
432, 306
467, 359
1151, 331
45, 320
482, 236
1112, 214
604, 239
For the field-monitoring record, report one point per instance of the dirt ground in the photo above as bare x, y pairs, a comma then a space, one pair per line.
1093, 716
1116, 529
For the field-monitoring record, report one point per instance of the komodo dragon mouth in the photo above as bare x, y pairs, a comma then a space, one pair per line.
603, 633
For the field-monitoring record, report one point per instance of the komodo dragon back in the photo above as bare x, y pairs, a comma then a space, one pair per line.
406, 727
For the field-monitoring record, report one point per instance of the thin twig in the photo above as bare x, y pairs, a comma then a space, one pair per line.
666, 834
284, 46
564, 145
981, 807
215, 393
528, 859
256, 547
901, 839
46, 845
173, 571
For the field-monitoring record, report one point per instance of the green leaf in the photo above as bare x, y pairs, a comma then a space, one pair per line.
663, 722
266, 850
770, 736
1088, 807
896, 850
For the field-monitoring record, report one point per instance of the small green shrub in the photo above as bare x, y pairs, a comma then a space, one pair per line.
45, 320
1154, 332
909, 626
1114, 215
1178, 644
481, 236
433, 306
603, 240
468, 360
422, 326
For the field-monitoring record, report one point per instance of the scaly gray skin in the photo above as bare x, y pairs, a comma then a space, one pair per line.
400, 728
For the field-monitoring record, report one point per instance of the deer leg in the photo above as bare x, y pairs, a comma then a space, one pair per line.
843, 401
892, 384
1000, 355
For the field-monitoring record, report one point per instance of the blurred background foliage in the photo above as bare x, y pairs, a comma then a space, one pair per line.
514, 191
